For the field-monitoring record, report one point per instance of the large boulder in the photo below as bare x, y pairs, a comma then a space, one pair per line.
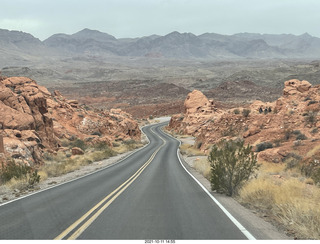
294, 86
195, 100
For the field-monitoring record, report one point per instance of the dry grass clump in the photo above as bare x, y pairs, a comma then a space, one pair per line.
292, 201
64, 162
202, 165
190, 150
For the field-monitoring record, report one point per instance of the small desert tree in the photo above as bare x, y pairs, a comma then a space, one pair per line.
232, 164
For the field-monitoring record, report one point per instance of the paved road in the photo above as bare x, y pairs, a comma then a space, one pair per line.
149, 195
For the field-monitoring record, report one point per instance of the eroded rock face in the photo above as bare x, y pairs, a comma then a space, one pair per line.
33, 120
290, 123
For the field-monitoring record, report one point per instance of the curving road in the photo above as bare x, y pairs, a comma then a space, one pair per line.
148, 195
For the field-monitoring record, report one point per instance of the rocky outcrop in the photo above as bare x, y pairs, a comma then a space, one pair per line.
32, 120
291, 123
198, 111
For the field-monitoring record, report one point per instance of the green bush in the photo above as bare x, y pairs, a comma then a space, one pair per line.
301, 137
311, 118
232, 164
18, 171
79, 143
12, 170
246, 112
263, 146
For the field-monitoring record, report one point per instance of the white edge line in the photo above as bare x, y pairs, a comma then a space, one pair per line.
233, 219
69, 181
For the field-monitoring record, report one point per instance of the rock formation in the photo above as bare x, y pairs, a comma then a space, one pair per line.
198, 111
291, 123
32, 120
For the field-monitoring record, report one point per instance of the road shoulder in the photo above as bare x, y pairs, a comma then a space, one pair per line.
257, 226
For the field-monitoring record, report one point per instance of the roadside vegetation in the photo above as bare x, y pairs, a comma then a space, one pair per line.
232, 164
286, 197
286, 193
17, 175
64, 162
21, 177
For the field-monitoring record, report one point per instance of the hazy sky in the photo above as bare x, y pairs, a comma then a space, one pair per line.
136, 18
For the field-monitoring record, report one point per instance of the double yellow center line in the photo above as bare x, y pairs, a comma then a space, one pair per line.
104, 203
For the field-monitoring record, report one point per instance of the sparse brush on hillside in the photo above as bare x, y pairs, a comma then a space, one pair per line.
232, 164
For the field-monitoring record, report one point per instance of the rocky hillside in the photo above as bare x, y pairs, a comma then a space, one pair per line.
287, 127
187, 45
17, 44
33, 121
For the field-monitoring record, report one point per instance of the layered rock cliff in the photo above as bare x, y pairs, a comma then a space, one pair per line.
32, 121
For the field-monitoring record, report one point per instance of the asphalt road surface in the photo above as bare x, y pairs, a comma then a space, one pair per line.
148, 195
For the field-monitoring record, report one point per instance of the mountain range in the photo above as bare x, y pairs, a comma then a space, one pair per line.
17, 45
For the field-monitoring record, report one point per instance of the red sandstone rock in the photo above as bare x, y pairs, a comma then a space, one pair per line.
296, 111
32, 120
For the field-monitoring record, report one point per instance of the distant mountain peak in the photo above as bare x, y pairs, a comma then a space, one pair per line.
306, 35
94, 34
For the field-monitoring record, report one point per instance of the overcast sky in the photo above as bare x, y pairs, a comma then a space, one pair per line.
136, 18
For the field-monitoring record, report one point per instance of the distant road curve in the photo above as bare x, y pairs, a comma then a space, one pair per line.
148, 195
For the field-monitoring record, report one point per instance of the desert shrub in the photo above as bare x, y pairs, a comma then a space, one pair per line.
315, 176
311, 118
79, 143
34, 178
13, 170
263, 146
198, 144
301, 137
296, 132
115, 144
246, 112
100, 146
287, 134
96, 133
312, 102
292, 164
277, 143
314, 130
131, 144
236, 111
311, 169
232, 164
230, 131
